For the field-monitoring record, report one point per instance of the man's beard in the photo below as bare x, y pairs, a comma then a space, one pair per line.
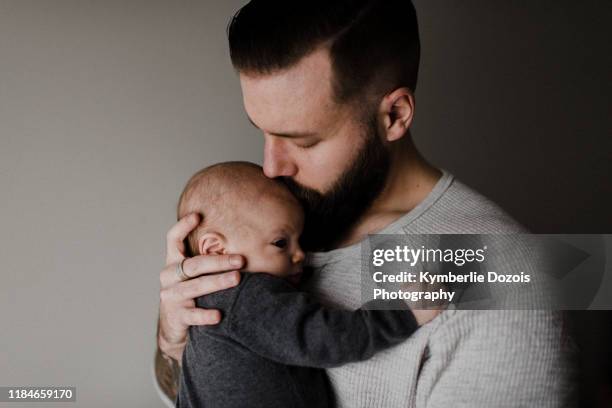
330, 216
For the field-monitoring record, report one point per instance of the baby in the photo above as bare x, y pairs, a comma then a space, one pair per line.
271, 346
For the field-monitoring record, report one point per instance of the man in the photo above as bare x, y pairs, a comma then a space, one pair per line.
331, 86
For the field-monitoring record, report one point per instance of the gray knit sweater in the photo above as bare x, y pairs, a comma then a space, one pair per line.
462, 358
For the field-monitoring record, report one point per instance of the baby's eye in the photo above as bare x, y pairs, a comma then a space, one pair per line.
281, 243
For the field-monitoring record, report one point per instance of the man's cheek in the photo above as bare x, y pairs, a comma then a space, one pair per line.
321, 174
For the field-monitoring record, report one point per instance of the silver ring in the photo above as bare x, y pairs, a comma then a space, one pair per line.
180, 272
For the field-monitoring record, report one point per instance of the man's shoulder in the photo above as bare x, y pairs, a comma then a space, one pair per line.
460, 209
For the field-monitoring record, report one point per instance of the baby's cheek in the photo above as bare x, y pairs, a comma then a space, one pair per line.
269, 263
283, 265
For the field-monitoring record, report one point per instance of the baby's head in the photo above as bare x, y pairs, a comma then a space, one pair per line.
244, 212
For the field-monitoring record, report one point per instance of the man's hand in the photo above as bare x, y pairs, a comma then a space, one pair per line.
424, 311
423, 316
177, 308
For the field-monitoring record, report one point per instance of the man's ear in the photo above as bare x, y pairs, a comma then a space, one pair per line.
397, 110
211, 243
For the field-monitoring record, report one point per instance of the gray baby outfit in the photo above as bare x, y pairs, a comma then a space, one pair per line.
274, 341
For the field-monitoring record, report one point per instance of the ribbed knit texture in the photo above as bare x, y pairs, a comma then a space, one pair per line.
462, 358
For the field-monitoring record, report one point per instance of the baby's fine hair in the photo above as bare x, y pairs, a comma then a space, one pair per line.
218, 193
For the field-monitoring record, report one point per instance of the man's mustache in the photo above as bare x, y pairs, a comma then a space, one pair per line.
300, 191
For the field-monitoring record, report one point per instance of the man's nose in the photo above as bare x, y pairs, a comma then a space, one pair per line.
276, 160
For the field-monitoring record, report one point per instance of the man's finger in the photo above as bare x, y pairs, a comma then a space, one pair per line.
205, 285
200, 265
203, 264
197, 317
423, 316
175, 249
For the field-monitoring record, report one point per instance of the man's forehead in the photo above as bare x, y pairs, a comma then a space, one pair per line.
286, 99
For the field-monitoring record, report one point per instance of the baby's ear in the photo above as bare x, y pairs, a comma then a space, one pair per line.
212, 243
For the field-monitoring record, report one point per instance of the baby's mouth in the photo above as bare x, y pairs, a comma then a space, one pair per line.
295, 278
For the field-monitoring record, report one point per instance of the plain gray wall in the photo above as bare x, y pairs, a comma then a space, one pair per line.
107, 107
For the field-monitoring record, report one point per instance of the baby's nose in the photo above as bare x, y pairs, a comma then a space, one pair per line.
298, 256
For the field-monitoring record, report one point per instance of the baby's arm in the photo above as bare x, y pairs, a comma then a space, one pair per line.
277, 322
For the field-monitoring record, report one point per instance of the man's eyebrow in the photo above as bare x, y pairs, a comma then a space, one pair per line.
284, 134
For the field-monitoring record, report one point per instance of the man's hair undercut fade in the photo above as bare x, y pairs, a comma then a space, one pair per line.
374, 44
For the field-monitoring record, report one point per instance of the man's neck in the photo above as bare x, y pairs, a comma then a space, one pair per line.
410, 180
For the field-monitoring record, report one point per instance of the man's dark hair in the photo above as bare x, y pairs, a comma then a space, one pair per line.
374, 44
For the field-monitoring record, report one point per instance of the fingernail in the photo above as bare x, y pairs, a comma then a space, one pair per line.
236, 260
216, 318
231, 278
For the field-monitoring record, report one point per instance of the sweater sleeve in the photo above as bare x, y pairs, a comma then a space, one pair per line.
276, 321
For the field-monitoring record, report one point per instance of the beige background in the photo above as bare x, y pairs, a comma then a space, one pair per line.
107, 107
